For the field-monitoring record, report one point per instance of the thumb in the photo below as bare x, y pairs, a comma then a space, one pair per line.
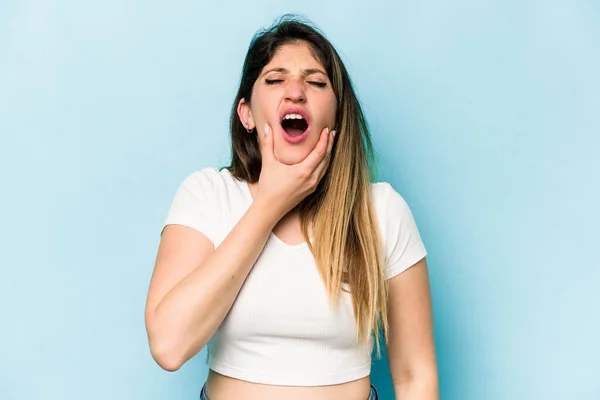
266, 144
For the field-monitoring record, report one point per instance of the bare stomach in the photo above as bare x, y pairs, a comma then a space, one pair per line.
221, 387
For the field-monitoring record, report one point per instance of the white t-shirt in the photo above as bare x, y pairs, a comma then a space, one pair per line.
282, 329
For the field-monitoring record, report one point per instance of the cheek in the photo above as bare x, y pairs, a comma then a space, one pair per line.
262, 102
331, 108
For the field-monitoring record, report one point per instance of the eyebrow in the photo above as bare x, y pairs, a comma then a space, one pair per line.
308, 71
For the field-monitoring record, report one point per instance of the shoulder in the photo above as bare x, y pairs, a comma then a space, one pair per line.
201, 201
387, 199
207, 181
393, 213
203, 178
401, 238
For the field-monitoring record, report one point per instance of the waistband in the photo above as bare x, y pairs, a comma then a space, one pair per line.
372, 396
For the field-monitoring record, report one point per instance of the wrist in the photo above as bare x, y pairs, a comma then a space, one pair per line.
266, 213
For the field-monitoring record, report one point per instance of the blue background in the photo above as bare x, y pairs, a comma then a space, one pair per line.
485, 116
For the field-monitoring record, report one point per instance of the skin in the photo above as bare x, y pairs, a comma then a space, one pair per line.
194, 285
305, 84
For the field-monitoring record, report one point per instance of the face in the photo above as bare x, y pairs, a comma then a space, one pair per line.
294, 96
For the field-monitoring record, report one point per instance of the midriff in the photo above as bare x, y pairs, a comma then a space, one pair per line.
221, 387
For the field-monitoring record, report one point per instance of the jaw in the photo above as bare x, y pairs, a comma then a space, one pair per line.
294, 153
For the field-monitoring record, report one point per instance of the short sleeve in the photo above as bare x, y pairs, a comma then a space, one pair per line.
402, 241
194, 204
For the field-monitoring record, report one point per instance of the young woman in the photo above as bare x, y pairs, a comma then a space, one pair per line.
290, 261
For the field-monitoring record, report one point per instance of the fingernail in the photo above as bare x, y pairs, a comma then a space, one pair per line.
267, 129
333, 133
327, 130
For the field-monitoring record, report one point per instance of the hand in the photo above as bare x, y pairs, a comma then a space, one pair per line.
281, 187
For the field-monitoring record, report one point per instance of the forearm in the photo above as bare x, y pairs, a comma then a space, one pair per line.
419, 387
192, 310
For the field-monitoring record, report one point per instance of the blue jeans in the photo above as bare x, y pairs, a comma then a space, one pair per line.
372, 396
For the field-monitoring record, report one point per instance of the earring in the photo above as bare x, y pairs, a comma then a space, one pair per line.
249, 130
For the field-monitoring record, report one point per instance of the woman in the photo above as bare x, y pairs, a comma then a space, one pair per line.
288, 262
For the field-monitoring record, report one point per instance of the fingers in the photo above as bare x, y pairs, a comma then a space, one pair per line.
319, 170
266, 144
321, 149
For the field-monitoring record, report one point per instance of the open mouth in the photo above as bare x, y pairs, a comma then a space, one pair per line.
294, 124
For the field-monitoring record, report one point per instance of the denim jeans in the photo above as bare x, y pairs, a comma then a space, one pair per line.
372, 396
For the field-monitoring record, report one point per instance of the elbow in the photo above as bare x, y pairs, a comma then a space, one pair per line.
170, 351
425, 374
168, 364
164, 355
164, 347
160, 344
169, 346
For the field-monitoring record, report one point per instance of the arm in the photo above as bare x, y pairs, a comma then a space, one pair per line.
194, 286
411, 350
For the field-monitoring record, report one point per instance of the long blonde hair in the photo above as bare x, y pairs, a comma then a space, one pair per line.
345, 230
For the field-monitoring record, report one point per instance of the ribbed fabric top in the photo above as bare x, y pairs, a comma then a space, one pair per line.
282, 329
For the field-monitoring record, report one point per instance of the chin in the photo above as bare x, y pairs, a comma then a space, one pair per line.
291, 156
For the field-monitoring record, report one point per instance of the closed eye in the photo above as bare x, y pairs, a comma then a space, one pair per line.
276, 81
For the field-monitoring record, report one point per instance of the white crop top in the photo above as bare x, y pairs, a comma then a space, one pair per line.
281, 329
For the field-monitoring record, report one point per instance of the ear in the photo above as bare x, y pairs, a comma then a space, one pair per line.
245, 114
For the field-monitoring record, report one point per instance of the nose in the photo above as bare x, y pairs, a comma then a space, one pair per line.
294, 91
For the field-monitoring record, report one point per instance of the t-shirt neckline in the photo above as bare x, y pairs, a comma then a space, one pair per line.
248, 194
